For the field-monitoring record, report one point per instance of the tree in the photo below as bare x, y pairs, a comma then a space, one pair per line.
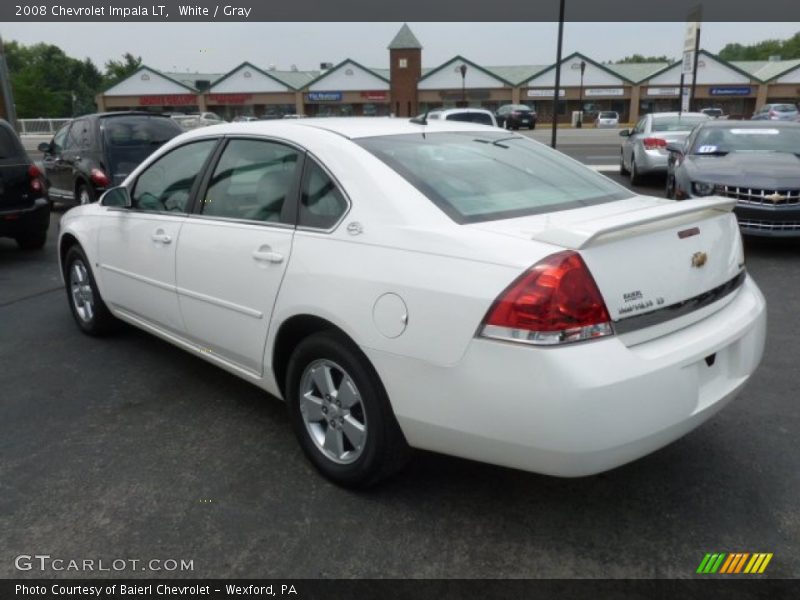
786, 49
638, 58
117, 70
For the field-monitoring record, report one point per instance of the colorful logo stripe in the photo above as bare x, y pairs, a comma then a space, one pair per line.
734, 562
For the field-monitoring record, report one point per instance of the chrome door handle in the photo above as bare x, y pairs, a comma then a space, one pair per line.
266, 255
160, 236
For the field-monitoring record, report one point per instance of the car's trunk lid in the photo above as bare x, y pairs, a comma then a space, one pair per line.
15, 190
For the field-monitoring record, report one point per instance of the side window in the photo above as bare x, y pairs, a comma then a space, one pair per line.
60, 138
321, 203
252, 181
166, 185
640, 125
73, 138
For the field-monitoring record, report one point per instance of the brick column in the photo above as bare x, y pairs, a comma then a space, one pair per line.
299, 106
515, 95
762, 96
633, 112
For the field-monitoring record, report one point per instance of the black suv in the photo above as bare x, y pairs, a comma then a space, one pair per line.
24, 207
92, 153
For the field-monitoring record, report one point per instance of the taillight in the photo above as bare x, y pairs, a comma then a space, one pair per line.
35, 177
554, 302
654, 143
773, 114
98, 177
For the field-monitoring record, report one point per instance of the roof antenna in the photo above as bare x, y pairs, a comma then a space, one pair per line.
423, 120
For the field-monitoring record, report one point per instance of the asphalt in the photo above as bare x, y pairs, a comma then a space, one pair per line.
127, 447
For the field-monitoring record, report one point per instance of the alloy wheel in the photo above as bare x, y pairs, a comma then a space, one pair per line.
81, 291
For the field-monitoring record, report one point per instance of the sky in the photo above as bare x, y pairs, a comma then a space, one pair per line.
219, 47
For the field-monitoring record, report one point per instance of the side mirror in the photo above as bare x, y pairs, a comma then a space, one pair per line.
675, 147
624, 133
117, 197
44, 147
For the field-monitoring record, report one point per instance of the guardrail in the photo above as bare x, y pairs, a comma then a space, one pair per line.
40, 126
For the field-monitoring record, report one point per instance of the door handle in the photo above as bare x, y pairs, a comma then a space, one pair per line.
265, 254
160, 236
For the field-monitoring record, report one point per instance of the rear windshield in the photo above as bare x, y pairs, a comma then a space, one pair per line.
129, 140
9, 145
471, 117
716, 140
520, 107
608, 115
784, 107
475, 177
676, 123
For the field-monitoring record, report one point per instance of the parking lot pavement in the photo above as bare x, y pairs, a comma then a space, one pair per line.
129, 447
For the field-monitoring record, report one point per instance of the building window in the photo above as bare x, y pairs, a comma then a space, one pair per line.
247, 74
403, 63
348, 71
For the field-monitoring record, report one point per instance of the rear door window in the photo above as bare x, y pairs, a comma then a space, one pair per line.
322, 204
9, 145
128, 140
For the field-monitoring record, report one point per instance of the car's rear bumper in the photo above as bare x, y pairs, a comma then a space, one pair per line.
21, 221
652, 161
582, 408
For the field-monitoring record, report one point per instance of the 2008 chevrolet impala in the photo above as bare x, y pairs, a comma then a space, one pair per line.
444, 286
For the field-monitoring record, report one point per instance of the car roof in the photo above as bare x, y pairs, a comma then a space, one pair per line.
348, 127
676, 114
450, 111
728, 124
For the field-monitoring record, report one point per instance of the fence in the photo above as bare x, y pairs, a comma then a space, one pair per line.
40, 126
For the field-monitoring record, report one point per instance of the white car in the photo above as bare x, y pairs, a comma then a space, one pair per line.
445, 286
607, 119
465, 115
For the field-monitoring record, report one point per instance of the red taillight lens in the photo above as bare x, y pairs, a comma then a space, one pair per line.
35, 176
98, 177
773, 114
654, 143
554, 302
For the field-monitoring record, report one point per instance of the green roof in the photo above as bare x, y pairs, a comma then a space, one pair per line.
516, 73
766, 70
405, 39
637, 72
295, 79
188, 79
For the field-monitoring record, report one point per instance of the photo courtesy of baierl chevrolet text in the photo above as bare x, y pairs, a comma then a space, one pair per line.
355, 300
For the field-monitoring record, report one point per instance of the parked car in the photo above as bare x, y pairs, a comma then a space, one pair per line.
607, 119
465, 115
514, 116
757, 164
776, 112
244, 119
24, 205
293, 116
644, 150
714, 113
94, 152
466, 291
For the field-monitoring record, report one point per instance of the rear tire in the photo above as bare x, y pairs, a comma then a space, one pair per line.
32, 241
670, 188
622, 169
84, 194
341, 413
87, 306
636, 178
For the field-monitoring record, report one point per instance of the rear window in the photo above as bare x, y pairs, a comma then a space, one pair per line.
476, 177
9, 145
520, 107
677, 123
608, 115
471, 117
784, 108
139, 131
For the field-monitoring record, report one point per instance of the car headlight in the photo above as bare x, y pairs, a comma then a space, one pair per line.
703, 189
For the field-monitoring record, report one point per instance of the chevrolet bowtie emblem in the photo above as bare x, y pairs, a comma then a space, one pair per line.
775, 198
699, 259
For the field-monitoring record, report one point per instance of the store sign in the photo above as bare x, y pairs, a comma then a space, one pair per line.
325, 96
663, 91
379, 96
230, 98
168, 100
603, 92
742, 90
545, 93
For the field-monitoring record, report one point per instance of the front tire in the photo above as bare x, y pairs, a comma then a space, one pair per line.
670, 189
87, 306
341, 414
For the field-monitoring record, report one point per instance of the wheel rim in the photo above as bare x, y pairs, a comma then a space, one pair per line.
83, 195
333, 411
81, 291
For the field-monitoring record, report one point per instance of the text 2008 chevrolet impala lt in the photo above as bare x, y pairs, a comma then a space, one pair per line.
444, 286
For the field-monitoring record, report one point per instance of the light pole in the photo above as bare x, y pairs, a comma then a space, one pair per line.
579, 122
558, 72
463, 69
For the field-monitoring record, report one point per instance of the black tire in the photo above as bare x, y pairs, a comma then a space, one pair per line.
385, 450
32, 241
622, 169
101, 322
670, 187
635, 177
533, 125
80, 190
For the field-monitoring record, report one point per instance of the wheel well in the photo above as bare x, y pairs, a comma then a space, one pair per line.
66, 243
293, 331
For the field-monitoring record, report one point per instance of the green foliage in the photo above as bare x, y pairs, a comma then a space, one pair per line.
786, 49
638, 58
48, 83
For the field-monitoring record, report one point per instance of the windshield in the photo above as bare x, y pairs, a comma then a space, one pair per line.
520, 107
716, 140
608, 115
129, 140
676, 123
478, 176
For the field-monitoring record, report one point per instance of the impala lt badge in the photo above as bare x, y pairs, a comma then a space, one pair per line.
699, 259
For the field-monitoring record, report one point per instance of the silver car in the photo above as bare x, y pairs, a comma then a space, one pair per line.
776, 112
607, 119
644, 150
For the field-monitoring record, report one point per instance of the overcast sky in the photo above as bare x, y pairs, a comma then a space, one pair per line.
218, 47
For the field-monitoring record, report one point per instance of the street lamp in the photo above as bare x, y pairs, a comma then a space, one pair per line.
579, 122
463, 69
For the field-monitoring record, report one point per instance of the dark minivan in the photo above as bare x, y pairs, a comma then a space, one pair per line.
93, 153
24, 207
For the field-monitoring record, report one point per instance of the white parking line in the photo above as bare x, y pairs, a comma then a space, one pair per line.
603, 167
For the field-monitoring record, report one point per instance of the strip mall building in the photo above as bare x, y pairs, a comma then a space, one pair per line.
407, 88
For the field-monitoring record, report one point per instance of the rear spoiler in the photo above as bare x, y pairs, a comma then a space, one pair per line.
581, 234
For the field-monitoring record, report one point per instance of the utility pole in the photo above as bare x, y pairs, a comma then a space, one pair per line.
558, 73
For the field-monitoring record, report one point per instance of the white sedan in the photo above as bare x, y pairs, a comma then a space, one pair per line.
444, 286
